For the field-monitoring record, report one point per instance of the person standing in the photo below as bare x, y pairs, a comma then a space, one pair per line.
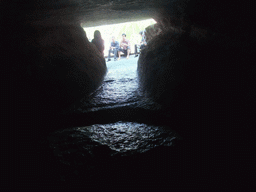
113, 48
98, 42
124, 46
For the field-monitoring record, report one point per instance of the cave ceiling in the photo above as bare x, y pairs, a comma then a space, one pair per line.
228, 19
88, 12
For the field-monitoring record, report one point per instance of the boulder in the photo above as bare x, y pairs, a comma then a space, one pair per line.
196, 56
57, 65
203, 83
70, 66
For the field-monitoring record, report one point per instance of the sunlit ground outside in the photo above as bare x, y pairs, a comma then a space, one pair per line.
131, 29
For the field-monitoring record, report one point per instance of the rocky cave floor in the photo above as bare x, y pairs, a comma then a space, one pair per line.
120, 141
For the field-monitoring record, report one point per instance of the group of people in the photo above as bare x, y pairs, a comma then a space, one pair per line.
115, 48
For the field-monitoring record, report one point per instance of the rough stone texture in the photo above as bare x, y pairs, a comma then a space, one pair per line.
188, 74
58, 63
200, 70
88, 12
201, 47
152, 31
69, 60
51, 62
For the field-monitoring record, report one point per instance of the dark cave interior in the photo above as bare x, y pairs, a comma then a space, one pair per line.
201, 69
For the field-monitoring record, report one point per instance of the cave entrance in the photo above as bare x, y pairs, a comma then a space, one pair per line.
131, 29
120, 85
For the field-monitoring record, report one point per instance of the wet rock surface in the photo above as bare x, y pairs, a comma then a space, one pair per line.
93, 146
111, 130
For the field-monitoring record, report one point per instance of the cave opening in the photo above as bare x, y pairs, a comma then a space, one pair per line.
131, 29
120, 85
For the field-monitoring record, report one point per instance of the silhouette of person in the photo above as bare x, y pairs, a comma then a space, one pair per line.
98, 41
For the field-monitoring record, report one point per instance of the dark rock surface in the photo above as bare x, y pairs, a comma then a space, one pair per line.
199, 69
186, 63
58, 62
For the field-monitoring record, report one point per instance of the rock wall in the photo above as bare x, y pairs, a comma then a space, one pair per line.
198, 54
69, 62
57, 64
201, 71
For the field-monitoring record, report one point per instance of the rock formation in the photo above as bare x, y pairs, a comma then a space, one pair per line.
54, 64
201, 50
42, 35
69, 66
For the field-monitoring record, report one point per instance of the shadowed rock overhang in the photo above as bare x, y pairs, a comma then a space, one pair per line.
91, 13
218, 16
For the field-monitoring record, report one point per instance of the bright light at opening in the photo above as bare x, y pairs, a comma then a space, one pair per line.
131, 29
